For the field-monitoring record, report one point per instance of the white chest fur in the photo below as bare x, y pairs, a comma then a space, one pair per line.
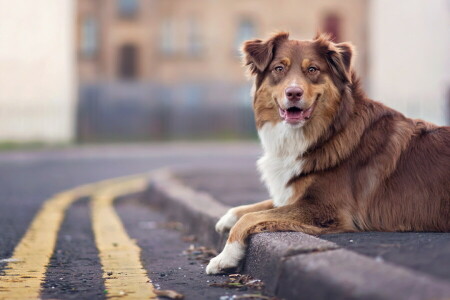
283, 147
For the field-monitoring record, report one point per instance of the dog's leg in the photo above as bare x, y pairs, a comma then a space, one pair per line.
286, 218
234, 214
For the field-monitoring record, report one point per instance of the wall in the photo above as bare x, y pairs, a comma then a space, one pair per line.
37, 70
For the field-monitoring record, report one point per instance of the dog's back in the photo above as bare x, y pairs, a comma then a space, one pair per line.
418, 190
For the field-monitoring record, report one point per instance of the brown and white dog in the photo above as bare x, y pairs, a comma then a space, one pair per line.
334, 160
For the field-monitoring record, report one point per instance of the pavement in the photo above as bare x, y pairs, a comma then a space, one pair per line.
369, 265
193, 184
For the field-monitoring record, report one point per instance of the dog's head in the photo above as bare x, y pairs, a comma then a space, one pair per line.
297, 82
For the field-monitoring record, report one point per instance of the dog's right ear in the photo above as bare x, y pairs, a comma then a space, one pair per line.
258, 54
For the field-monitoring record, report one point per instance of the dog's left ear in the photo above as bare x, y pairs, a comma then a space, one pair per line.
338, 56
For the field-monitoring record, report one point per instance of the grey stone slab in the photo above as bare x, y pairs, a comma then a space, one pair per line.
236, 185
267, 251
427, 252
342, 274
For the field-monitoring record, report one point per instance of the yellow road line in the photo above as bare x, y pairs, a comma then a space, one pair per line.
124, 275
24, 274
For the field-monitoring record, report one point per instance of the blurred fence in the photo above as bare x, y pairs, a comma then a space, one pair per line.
135, 111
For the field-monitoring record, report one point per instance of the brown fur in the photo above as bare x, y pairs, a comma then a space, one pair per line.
368, 166
245, 209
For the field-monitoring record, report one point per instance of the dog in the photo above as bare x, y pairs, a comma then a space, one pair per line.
334, 161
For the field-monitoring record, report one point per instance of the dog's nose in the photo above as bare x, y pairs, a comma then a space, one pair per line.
293, 93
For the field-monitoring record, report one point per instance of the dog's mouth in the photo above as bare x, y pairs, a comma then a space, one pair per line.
295, 114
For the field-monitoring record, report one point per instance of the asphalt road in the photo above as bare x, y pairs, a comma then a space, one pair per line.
27, 179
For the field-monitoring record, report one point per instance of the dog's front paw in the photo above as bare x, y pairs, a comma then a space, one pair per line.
227, 259
226, 221
218, 265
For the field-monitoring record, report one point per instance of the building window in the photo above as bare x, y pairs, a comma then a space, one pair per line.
89, 37
332, 25
128, 62
246, 31
127, 8
194, 39
167, 44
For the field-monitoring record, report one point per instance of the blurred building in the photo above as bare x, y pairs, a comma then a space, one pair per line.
37, 70
199, 40
155, 68
166, 69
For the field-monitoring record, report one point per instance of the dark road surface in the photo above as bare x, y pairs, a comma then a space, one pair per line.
28, 179
75, 271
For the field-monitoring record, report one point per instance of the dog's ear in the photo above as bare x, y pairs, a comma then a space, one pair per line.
338, 56
257, 54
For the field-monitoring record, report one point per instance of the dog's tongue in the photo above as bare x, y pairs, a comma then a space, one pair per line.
296, 115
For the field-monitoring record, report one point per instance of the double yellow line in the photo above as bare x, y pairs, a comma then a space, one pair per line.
123, 273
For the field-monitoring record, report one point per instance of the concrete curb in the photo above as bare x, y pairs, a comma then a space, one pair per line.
294, 265
197, 211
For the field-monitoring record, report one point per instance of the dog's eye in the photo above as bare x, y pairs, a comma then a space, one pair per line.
279, 69
312, 70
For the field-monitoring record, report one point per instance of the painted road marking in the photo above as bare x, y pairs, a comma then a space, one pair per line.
25, 272
124, 275
23, 275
